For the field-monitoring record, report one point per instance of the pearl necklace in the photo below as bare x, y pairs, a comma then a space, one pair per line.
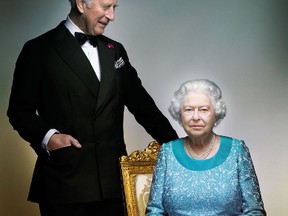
205, 154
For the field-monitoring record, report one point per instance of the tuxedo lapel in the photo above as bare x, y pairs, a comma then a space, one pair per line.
73, 55
106, 59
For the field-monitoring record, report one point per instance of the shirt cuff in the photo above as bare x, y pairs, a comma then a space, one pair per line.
47, 138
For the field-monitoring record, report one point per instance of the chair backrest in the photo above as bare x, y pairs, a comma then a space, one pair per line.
137, 172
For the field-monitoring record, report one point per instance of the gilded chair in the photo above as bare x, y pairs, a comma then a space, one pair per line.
137, 172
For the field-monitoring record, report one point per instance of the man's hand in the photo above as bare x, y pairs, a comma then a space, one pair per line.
58, 141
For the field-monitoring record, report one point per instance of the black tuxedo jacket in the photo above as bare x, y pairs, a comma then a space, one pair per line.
54, 86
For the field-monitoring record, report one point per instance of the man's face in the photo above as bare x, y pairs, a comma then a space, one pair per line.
97, 15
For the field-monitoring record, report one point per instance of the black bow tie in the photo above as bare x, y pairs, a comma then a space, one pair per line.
82, 38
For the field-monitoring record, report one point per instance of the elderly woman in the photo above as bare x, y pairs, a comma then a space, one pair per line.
203, 173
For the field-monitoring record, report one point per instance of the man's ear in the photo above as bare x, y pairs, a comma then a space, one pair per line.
80, 5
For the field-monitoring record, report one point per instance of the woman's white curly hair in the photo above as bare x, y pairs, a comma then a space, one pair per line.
198, 85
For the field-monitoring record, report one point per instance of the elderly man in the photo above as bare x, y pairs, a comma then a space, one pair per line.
69, 92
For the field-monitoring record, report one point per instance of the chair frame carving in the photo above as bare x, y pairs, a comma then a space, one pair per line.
137, 163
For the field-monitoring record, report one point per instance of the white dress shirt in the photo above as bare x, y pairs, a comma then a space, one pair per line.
90, 51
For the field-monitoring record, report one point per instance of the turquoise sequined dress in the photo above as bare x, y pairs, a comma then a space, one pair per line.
225, 184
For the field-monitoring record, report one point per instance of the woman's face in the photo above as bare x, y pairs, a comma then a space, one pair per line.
197, 115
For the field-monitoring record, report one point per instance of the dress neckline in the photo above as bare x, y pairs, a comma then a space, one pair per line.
200, 165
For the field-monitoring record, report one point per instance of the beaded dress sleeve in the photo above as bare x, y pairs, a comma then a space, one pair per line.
155, 202
251, 196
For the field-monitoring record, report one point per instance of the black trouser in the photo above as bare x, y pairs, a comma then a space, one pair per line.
112, 207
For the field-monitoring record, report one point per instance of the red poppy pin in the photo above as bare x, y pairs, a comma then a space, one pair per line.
110, 46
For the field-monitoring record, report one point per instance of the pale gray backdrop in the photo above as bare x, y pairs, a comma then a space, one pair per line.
240, 44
